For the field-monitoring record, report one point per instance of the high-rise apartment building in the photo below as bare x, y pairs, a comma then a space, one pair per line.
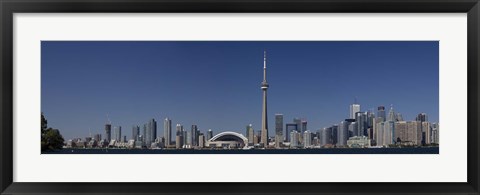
167, 131
194, 135
307, 139
108, 132
279, 126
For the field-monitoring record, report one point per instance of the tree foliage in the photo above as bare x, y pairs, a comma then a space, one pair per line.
51, 139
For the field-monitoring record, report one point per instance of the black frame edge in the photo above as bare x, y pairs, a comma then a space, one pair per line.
473, 85
6, 107
9, 7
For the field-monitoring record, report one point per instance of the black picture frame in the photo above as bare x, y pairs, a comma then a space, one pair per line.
9, 7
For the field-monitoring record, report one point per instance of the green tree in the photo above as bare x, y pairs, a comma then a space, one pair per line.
51, 139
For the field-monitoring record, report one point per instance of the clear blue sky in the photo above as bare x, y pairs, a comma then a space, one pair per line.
216, 84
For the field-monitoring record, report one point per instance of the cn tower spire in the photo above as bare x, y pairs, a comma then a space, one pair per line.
265, 66
264, 136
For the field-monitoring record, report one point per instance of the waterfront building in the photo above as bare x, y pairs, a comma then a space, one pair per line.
294, 139
250, 134
343, 133
380, 138
178, 141
414, 132
278, 126
358, 142
167, 131
307, 139
402, 135
426, 133
278, 141
435, 133
389, 132
201, 140
264, 136
326, 137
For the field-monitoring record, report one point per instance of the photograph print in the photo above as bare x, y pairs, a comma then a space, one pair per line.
239, 97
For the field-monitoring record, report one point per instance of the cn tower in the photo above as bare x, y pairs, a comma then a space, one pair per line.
264, 138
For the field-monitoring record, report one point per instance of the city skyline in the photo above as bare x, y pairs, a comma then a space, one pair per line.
338, 114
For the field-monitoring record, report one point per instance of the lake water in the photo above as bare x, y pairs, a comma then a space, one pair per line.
425, 150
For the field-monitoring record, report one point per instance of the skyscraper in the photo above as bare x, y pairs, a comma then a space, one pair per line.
118, 133
354, 108
179, 136
108, 131
194, 135
179, 129
167, 131
343, 133
299, 124
251, 134
422, 117
264, 137
279, 126
391, 114
362, 123
294, 136
210, 134
135, 132
304, 125
334, 134
326, 136
381, 113
201, 140
426, 133
307, 139
151, 132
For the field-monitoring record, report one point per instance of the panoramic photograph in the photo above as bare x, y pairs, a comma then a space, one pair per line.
239, 97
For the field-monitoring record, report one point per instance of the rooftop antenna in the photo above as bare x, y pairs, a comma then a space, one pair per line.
90, 132
355, 100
